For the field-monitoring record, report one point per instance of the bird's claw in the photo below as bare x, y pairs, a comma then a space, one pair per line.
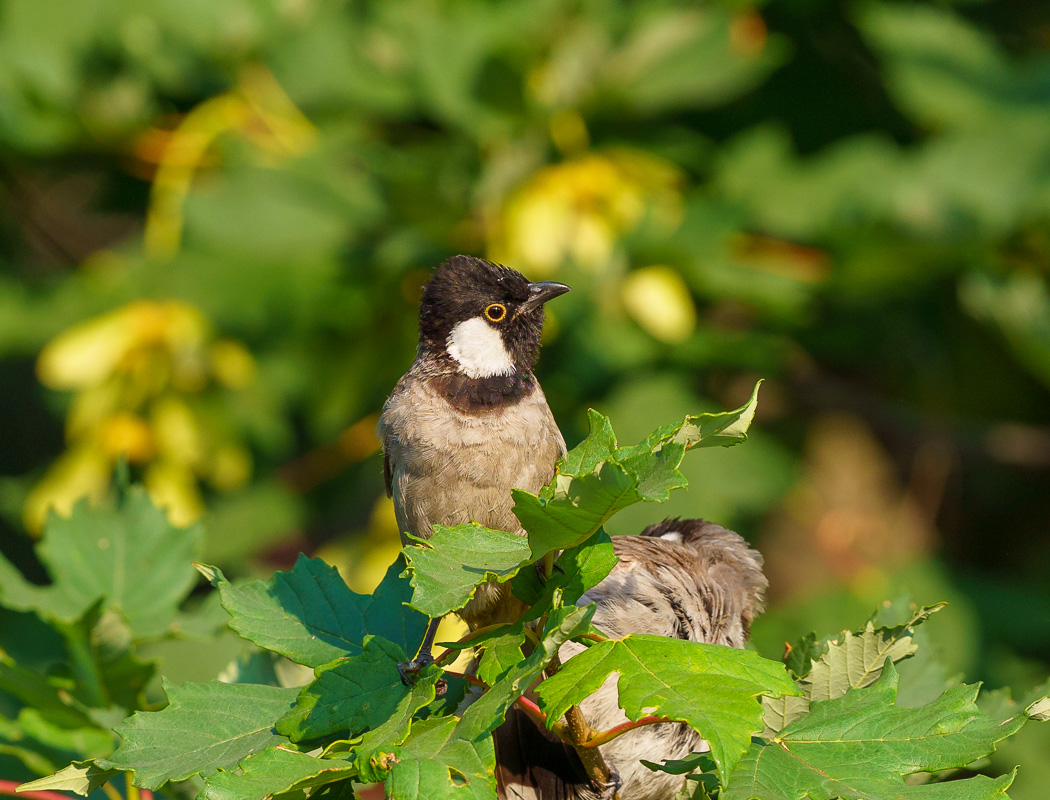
604, 791
409, 672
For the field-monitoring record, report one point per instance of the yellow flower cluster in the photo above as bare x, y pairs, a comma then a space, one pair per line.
139, 374
578, 209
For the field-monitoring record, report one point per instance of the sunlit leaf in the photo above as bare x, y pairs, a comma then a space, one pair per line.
82, 777
310, 615
713, 688
352, 694
819, 755
436, 764
207, 726
849, 661
447, 568
273, 771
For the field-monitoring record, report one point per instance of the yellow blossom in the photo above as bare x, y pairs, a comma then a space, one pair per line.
580, 208
178, 432
80, 472
88, 353
126, 435
230, 467
659, 301
173, 487
135, 373
232, 364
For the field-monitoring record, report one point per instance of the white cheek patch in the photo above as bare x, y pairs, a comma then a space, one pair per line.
478, 349
672, 536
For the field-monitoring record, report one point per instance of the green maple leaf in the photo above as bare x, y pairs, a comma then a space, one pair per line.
849, 661
129, 557
500, 654
487, 712
578, 506
375, 745
577, 569
597, 479
722, 429
436, 763
311, 616
352, 694
207, 726
49, 695
714, 689
461, 750
82, 777
861, 745
446, 569
273, 771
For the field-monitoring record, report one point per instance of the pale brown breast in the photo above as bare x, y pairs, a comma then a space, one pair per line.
447, 467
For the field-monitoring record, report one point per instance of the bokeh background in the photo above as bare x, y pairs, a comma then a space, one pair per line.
216, 216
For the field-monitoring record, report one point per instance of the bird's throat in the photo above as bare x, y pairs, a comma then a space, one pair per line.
478, 350
483, 395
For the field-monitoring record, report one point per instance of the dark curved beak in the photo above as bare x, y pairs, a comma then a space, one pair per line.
540, 293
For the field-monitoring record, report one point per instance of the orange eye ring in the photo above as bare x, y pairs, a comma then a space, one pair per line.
495, 312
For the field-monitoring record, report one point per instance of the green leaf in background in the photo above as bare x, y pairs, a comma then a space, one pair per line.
207, 726
861, 745
447, 568
679, 57
713, 688
849, 661
354, 693
130, 555
803, 653
273, 771
103, 658
50, 696
1018, 307
92, 741
310, 616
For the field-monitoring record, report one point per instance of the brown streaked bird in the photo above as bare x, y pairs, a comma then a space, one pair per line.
685, 579
469, 422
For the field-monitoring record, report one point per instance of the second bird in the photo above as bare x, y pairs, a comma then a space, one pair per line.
469, 422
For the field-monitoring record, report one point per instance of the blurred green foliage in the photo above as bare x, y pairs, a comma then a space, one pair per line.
850, 199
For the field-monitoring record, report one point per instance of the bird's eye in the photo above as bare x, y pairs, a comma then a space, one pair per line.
496, 312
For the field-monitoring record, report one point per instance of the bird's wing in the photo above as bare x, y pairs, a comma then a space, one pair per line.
383, 433
532, 764
388, 473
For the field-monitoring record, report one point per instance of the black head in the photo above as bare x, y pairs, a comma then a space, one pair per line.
484, 319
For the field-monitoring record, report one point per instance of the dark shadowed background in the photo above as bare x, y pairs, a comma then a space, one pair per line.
215, 218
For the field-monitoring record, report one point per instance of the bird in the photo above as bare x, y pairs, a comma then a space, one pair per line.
469, 421
682, 578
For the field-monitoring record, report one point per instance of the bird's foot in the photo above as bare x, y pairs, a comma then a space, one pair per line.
608, 790
409, 672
